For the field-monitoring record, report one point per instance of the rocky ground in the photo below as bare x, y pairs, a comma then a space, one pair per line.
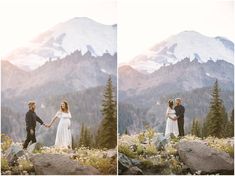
150, 153
41, 160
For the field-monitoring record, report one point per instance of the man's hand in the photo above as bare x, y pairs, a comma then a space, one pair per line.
31, 131
47, 126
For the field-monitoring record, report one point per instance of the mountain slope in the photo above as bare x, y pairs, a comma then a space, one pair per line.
185, 44
73, 73
84, 106
81, 33
11, 75
150, 108
183, 76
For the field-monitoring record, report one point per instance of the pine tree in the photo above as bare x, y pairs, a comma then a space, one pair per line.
81, 139
225, 122
193, 127
126, 132
230, 126
204, 129
215, 115
86, 138
196, 128
107, 137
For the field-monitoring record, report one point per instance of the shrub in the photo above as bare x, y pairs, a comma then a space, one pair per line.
140, 149
25, 165
6, 142
125, 149
141, 137
151, 149
104, 165
4, 164
146, 164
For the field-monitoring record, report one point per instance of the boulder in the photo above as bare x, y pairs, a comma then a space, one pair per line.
58, 164
135, 162
133, 171
200, 157
34, 146
160, 141
124, 163
13, 153
111, 153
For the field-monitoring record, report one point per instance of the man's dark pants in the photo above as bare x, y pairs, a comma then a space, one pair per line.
30, 137
181, 126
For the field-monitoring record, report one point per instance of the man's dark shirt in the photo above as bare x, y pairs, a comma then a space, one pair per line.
31, 118
179, 111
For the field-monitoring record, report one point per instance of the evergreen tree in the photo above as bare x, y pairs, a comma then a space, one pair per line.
193, 127
81, 139
86, 138
230, 126
196, 128
225, 123
107, 137
126, 132
215, 116
204, 129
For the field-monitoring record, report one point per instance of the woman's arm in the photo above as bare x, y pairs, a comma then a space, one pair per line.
52, 121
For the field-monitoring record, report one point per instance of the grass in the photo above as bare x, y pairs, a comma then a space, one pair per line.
6, 142
25, 165
125, 149
4, 164
150, 149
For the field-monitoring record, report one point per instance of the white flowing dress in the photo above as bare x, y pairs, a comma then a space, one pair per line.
63, 135
171, 125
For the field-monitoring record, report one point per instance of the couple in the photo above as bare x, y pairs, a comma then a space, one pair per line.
63, 135
175, 118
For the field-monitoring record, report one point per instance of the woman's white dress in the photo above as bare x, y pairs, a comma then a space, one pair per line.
63, 135
171, 125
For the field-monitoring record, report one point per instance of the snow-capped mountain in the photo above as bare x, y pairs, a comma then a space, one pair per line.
80, 33
188, 44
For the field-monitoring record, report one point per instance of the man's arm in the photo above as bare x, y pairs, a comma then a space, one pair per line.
39, 120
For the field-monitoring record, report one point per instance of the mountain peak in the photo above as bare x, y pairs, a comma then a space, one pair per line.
79, 33
190, 44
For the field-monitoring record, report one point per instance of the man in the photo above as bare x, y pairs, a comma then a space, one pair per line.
179, 111
31, 118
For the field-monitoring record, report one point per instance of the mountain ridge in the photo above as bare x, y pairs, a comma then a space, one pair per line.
79, 33
188, 44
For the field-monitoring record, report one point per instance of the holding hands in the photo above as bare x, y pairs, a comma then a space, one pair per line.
47, 126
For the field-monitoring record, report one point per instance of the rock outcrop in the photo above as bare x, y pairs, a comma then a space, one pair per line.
200, 157
56, 164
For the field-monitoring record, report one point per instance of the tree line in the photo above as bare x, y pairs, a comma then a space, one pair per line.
106, 135
218, 123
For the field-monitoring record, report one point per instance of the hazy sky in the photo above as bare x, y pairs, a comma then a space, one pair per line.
143, 23
22, 20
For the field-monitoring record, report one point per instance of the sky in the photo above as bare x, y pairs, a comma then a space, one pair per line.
22, 20
143, 23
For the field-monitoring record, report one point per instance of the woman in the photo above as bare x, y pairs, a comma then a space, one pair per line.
63, 135
171, 122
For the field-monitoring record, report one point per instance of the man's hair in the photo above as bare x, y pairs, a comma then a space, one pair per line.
178, 99
31, 103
